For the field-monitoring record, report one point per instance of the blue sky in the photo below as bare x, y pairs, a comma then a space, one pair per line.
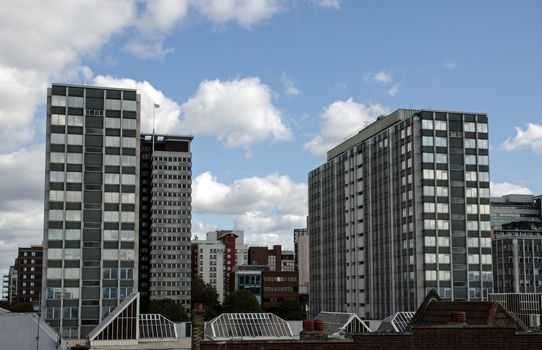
266, 86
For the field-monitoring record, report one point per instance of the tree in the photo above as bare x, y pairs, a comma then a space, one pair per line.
169, 309
21, 307
204, 293
289, 309
241, 301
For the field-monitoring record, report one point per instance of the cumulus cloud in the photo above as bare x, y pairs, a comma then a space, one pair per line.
260, 204
21, 203
382, 77
499, 189
239, 112
200, 229
531, 137
340, 119
449, 66
392, 91
334, 4
167, 116
289, 86
244, 12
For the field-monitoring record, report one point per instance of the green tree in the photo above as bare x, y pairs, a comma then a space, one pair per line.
169, 309
21, 307
241, 301
289, 309
204, 293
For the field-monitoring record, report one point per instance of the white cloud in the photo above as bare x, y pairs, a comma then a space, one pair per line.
238, 111
334, 4
449, 66
200, 229
340, 119
289, 86
499, 189
245, 12
41, 40
167, 116
529, 137
382, 77
392, 91
21, 203
260, 204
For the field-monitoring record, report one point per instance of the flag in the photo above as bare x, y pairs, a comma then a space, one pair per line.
156, 105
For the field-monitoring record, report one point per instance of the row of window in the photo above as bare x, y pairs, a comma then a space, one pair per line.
169, 159
441, 125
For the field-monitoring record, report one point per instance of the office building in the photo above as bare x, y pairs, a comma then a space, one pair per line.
249, 277
29, 267
398, 209
213, 261
276, 258
91, 205
278, 286
165, 218
515, 207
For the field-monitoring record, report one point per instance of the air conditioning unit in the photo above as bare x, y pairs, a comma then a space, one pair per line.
534, 320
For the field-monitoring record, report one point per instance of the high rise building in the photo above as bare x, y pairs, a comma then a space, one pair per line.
214, 258
398, 209
165, 218
29, 274
517, 243
91, 207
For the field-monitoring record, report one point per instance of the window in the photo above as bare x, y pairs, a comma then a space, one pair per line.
73, 235
472, 225
470, 143
470, 159
484, 192
468, 127
429, 207
72, 254
52, 313
128, 179
444, 275
128, 142
73, 215
441, 142
442, 208
75, 120
75, 139
127, 235
426, 124
56, 176
486, 258
483, 160
429, 241
430, 275
443, 224
482, 144
427, 140
470, 175
484, 208
127, 254
58, 101
112, 123
73, 177
57, 139
442, 191
112, 104
73, 196
125, 292
485, 242
112, 141
441, 158
127, 216
471, 192
429, 224
482, 127
474, 276
58, 119
128, 105
128, 198
56, 215
75, 102
57, 157
474, 259
472, 209
430, 258
74, 158
442, 175
484, 176
111, 235
428, 174
54, 234
54, 254
110, 254
54, 293
111, 179
129, 123
473, 242
485, 225
54, 273
110, 274
128, 161
440, 125
111, 159
111, 197
126, 274
56, 196
428, 191
72, 273
109, 293
443, 241
427, 157
71, 312
111, 216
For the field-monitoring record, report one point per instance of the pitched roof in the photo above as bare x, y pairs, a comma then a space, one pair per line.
261, 325
433, 311
398, 322
342, 322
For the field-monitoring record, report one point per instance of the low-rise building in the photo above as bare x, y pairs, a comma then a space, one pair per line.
278, 286
29, 267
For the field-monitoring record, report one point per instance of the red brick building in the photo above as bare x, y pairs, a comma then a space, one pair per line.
278, 286
29, 272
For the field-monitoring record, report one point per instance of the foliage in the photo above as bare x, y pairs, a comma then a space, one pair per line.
168, 308
289, 309
241, 301
21, 307
204, 293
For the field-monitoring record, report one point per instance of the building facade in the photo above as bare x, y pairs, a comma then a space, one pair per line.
301, 251
398, 209
515, 207
278, 286
9, 284
276, 258
165, 218
91, 207
29, 272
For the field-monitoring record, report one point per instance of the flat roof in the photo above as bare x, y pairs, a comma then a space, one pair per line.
93, 87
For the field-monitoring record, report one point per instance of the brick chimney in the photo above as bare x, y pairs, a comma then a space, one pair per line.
198, 322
